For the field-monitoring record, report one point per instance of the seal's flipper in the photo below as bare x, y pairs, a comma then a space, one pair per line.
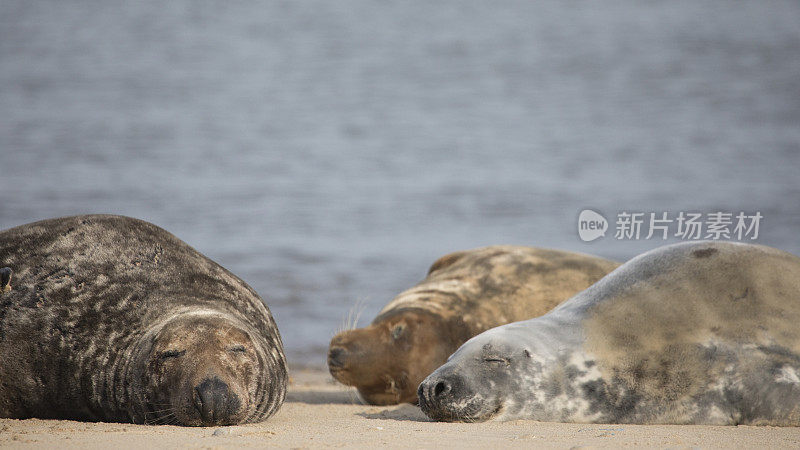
5, 279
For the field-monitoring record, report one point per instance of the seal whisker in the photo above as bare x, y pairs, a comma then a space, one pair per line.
158, 411
355, 399
155, 421
350, 321
166, 419
359, 307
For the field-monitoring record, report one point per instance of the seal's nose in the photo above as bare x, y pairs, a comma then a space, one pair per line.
424, 397
438, 395
336, 357
441, 388
436, 390
214, 401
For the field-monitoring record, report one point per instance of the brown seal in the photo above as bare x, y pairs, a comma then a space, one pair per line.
110, 318
465, 293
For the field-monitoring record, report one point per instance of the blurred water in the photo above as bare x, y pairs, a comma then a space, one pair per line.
328, 152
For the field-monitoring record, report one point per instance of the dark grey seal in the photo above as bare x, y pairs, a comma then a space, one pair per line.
692, 333
109, 318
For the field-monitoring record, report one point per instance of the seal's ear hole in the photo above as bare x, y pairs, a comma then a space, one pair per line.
398, 330
172, 354
526, 353
237, 349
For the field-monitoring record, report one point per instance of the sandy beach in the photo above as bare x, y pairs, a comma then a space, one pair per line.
320, 413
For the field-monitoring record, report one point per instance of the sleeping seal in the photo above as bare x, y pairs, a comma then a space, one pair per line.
464, 294
109, 318
692, 333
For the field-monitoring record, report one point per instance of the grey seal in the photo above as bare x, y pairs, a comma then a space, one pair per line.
109, 318
691, 333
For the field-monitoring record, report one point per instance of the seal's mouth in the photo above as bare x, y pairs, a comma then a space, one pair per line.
211, 401
471, 413
339, 365
340, 374
446, 399
490, 415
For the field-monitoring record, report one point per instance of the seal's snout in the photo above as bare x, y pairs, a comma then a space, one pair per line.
435, 393
336, 357
447, 398
215, 402
345, 358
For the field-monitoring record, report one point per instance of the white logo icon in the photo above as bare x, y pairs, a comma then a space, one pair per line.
591, 225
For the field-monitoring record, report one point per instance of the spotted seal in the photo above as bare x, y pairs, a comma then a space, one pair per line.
109, 318
463, 294
691, 333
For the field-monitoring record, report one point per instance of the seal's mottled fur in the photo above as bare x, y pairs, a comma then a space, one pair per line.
110, 318
465, 293
692, 333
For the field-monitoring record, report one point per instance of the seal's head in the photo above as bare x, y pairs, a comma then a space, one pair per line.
387, 360
203, 370
481, 380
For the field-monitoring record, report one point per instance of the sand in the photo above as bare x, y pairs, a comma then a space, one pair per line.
320, 413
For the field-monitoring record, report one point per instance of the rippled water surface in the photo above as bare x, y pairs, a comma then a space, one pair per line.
328, 152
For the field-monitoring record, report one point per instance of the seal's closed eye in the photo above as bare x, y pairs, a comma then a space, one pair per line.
496, 359
172, 354
237, 349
